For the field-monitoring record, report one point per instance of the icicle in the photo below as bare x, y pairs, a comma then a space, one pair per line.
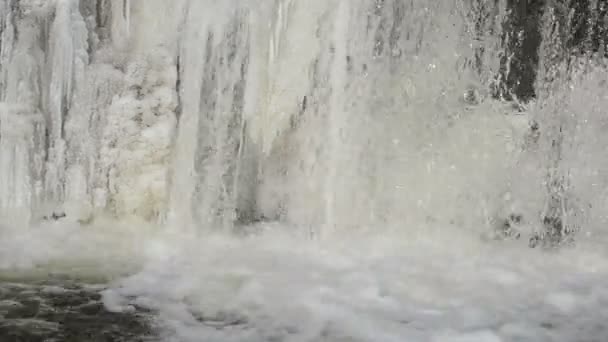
7, 36
127, 15
121, 21
67, 55
280, 25
337, 118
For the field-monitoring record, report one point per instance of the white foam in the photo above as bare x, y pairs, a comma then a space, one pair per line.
361, 288
563, 301
65, 246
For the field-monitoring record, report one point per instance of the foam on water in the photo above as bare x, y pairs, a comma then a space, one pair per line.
277, 286
100, 251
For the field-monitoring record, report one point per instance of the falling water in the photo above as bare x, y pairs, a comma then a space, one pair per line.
325, 115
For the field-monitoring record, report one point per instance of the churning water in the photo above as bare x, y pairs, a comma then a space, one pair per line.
319, 170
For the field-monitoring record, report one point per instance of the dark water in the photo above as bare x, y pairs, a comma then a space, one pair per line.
66, 311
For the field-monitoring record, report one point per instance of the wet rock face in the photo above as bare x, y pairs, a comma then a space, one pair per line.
66, 312
521, 38
582, 26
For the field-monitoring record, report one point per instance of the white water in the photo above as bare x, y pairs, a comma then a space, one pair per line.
344, 123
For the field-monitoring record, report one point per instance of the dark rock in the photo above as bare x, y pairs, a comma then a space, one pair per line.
55, 216
508, 228
534, 241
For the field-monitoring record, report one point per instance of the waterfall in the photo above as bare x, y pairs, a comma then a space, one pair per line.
325, 115
304, 170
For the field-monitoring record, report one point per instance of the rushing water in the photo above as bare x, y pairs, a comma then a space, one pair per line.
290, 170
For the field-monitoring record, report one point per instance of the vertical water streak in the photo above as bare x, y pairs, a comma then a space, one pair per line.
214, 63
570, 149
338, 117
66, 58
120, 22
219, 133
22, 128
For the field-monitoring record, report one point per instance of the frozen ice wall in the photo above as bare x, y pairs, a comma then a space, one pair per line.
22, 121
327, 115
87, 115
334, 114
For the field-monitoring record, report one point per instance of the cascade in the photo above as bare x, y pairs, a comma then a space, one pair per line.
325, 115
303, 170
